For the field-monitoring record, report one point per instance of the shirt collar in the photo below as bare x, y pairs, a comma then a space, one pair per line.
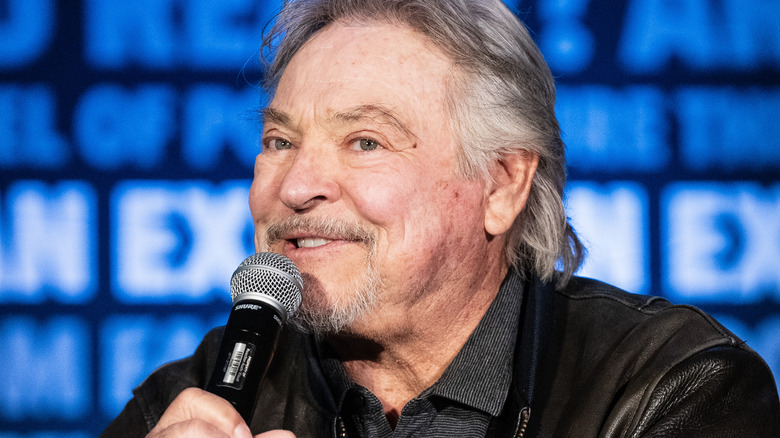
480, 375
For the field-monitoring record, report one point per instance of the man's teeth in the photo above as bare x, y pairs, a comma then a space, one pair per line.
311, 242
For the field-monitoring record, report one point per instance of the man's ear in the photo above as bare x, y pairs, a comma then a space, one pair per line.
508, 190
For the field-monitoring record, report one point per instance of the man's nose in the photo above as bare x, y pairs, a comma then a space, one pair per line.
309, 181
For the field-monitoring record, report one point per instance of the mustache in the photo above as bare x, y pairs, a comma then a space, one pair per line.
331, 228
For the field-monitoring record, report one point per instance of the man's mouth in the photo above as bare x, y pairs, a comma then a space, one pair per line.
305, 232
311, 242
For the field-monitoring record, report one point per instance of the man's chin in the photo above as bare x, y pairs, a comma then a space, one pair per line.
321, 314
327, 320
333, 307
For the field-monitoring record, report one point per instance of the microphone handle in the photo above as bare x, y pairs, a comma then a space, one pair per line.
245, 352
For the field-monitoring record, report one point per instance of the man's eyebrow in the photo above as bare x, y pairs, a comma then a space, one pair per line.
275, 116
375, 113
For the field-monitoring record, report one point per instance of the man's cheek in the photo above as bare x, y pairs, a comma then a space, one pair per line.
379, 204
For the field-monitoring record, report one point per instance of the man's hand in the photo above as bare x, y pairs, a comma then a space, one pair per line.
197, 413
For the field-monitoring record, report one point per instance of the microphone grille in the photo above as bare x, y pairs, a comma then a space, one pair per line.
270, 274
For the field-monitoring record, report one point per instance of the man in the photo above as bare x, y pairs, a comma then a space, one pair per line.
412, 169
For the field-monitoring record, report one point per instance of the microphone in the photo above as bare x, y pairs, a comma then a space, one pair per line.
266, 290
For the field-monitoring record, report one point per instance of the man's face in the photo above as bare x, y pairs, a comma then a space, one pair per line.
357, 180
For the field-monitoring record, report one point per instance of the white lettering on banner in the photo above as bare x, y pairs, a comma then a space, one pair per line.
28, 128
701, 34
568, 45
115, 127
165, 34
218, 118
612, 220
613, 129
51, 243
132, 346
46, 369
174, 241
717, 125
721, 241
118, 33
26, 29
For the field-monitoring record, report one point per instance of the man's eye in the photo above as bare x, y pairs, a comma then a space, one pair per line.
279, 144
365, 144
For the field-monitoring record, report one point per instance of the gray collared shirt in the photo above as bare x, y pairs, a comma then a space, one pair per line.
471, 391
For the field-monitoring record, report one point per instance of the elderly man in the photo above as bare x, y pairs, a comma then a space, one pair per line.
412, 169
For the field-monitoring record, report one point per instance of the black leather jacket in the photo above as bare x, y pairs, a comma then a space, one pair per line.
591, 361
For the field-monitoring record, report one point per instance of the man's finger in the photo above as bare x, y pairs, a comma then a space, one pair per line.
197, 404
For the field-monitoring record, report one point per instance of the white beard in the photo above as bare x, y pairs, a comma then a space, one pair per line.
321, 316
319, 313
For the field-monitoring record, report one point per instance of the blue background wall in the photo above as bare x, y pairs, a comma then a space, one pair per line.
127, 137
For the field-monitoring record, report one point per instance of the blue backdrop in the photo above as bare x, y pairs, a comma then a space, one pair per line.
127, 137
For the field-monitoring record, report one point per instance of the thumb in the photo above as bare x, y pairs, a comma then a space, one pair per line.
276, 434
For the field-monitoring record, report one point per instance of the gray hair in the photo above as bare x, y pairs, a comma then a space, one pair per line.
501, 99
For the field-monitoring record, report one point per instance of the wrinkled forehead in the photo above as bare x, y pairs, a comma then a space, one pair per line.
383, 32
380, 70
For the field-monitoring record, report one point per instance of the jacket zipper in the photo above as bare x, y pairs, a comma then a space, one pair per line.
339, 428
522, 422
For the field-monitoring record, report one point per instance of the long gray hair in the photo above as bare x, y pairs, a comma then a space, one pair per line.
501, 99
